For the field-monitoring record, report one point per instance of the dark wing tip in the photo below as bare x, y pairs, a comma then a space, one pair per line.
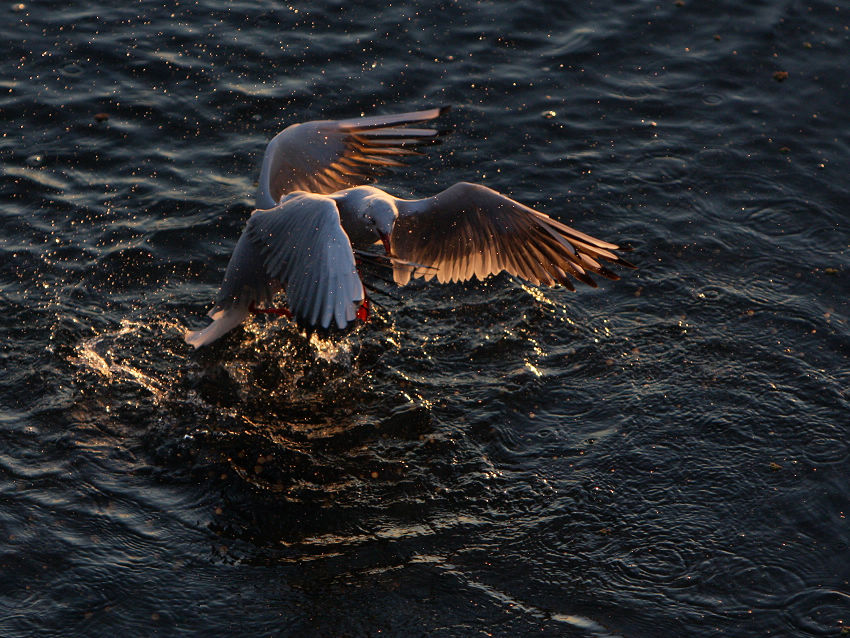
622, 262
625, 248
608, 274
565, 282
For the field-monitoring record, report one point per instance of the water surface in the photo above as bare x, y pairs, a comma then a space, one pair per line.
666, 455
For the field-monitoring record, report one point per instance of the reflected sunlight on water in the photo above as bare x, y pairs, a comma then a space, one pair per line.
665, 455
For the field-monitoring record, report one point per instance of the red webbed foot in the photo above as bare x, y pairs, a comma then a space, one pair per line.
363, 311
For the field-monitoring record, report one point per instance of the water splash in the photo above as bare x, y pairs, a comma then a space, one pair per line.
337, 352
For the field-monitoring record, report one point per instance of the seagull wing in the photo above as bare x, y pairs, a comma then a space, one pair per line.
330, 155
301, 246
471, 230
245, 282
304, 247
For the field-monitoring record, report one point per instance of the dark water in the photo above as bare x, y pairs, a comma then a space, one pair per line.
667, 455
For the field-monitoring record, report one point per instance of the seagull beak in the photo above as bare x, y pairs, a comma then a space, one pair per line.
385, 239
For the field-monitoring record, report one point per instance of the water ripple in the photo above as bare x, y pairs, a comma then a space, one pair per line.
664, 455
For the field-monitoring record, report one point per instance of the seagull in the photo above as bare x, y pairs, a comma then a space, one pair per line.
316, 217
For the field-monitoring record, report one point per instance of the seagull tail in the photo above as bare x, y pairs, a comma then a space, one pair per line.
223, 322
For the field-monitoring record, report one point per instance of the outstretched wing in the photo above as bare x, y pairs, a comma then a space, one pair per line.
329, 155
304, 247
471, 230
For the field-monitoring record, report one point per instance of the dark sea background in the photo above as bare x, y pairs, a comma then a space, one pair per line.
666, 455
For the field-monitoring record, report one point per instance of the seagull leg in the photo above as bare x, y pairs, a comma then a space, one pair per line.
277, 312
363, 311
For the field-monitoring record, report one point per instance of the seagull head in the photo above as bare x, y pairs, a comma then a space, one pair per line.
380, 214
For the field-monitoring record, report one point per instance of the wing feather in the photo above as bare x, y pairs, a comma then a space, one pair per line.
470, 231
304, 246
383, 121
298, 158
246, 282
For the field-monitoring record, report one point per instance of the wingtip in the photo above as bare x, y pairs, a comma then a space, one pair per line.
224, 320
193, 338
622, 262
332, 330
625, 248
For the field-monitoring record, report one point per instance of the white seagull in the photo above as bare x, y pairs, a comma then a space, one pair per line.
314, 213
